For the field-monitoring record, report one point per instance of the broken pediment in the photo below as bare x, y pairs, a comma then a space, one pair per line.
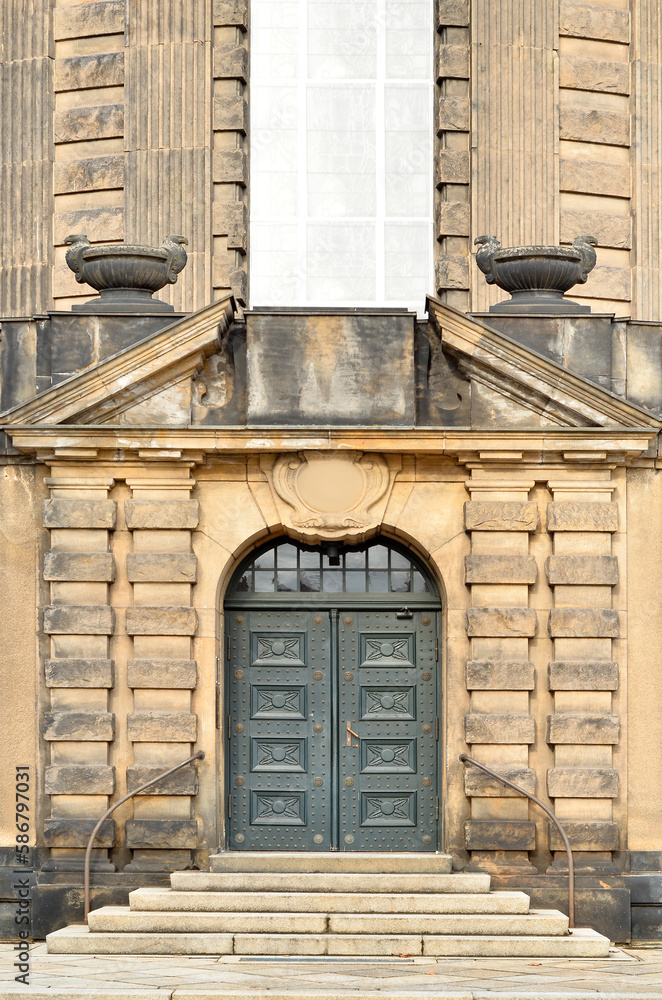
291, 368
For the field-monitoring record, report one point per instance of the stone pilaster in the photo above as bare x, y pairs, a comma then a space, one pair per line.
514, 177
79, 673
499, 727
26, 155
583, 675
168, 136
452, 153
162, 674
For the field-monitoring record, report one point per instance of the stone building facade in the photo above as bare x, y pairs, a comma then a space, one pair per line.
507, 462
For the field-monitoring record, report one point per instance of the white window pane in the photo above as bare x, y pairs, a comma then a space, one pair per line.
341, 149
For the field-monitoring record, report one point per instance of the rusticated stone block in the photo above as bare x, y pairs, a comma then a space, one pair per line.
452, 167
93, 566
230, 165
104, 121
500, 675
162, 727
78, 672
162, 673
80, 779
75, 513
583, 728
168, 567
161, 621
74, 726
586, 21
454, 114
451, 271
184, 782
453, 62
481, 785
230, 114
231, 13
95, 173
107, 222
80, 619
594, 74
86, 19
583, 675
500, 515
499, 622
582, 570
161, 514
487, 728
500, 569
163, 834
76, 833
231, 219
610, 230
582, 782
231, 63
594, 125
588, 835
595, 178
453, 13
83, 72
500, 835
568, 515
453, 218
588, 623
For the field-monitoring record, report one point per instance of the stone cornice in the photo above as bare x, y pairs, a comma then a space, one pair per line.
124, 379
531, 379
548, 447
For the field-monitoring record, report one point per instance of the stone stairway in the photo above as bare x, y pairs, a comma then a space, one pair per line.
328, 904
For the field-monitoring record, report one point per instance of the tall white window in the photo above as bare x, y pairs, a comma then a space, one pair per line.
341, 153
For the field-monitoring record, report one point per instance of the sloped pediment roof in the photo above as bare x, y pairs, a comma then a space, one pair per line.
157, 367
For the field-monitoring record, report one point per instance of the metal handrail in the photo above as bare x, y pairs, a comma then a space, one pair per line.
466, 759
200, 755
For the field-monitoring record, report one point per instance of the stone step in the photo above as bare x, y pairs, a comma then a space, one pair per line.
338, 861
77, 939
123, 920
329, 902
327, 882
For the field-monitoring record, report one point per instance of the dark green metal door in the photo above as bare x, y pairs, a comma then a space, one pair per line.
332, 728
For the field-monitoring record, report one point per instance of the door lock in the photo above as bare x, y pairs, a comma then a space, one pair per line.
349, 732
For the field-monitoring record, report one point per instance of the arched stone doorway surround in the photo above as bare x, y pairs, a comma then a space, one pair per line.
421, 509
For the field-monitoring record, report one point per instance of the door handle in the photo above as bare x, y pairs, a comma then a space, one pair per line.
349, 732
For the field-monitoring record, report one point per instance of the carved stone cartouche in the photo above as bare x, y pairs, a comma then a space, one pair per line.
536, 277
125, 276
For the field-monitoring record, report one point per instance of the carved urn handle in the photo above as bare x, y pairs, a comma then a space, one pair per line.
78, 243
488, 245
177, 256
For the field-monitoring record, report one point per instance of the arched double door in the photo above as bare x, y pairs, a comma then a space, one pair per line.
333, 700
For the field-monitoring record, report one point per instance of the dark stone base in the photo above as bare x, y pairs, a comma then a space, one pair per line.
601, 902
124, 300
645, 885
562, 307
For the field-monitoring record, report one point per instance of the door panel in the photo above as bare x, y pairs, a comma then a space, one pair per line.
279, 734
332, 731
387, 732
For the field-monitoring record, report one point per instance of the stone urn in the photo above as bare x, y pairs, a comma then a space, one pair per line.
536, 277
125, 276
